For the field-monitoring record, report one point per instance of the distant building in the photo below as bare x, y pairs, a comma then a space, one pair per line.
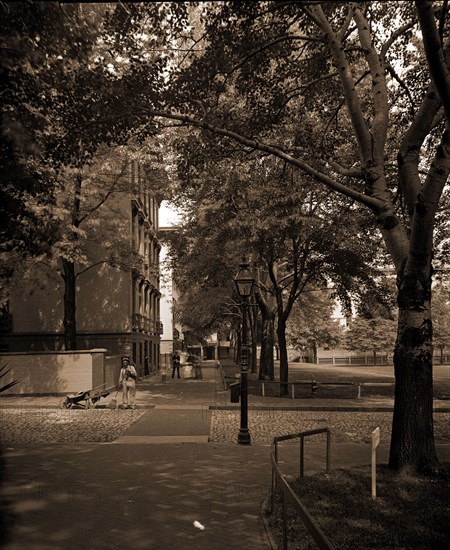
117, 305
172, 337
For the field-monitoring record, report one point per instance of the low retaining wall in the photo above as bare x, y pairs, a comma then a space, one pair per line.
59, 372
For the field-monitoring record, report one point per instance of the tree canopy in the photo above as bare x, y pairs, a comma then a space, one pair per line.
376, 335
367, 126
356, 96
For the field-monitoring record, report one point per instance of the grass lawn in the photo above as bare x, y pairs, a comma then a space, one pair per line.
409, 512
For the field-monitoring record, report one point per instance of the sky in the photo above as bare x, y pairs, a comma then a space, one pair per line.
167, 215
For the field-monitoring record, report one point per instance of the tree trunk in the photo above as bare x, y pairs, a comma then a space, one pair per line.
68, 274
266, 363
267, 307
412, 442
254, 357
284, 365
70, 323
253, 318
315, 353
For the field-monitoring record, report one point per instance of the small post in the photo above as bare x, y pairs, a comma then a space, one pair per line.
272, 494
328, 450
359, 391
302, 456
375, 443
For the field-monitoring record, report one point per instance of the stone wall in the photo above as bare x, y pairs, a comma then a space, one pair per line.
59, 372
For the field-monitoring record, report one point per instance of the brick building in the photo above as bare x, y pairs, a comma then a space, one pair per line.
117, 305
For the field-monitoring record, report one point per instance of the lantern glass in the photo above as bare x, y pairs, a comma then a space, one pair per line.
244, 281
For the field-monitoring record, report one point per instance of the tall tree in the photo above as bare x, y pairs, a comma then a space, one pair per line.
306, 59
63, 101
263, 208
371, 89
91, 232
42, 45
375, 335
312, 323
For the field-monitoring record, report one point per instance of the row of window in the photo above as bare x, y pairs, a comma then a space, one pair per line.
145, 291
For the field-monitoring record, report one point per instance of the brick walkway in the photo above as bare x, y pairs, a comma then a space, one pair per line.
148, 487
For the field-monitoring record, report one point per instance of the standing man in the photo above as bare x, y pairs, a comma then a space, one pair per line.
127, 379
175, 364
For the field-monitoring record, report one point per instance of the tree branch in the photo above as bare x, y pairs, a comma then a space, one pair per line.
434, 52
91, 267
401, 82
371, 202
105, 197
349, 172
409, 152
270, 44
345, 74
379, 90
396, 34
346, 25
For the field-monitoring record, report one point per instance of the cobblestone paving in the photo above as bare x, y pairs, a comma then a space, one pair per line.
50, 425
39, 425
354, 427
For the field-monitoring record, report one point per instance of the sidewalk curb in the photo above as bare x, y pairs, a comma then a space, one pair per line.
286, 408
305, 408
322, 408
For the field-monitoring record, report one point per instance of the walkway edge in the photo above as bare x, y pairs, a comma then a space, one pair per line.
158, 439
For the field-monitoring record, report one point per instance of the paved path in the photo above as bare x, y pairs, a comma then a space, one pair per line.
144, 490
137, 496
148, 487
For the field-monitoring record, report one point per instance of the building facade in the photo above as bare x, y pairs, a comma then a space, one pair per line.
117, 300
172, 338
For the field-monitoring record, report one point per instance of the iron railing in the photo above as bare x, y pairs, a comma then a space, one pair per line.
279, 483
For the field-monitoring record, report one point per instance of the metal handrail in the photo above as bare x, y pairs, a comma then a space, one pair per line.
278, 479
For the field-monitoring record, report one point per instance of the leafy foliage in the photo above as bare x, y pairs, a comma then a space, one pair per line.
351, 94
311, 323
441, 317
43, 59
64, 97
375, 335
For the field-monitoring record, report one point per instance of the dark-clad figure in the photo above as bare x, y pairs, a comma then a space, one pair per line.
175, 364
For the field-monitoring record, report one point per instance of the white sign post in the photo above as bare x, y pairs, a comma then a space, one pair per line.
375, 443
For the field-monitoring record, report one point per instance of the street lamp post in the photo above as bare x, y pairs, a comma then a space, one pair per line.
244, 284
